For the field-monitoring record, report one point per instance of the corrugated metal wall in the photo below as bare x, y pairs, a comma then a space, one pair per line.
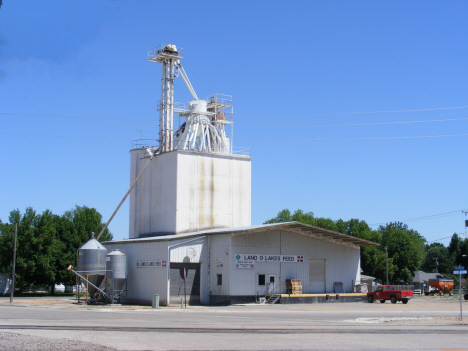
217, 255
220, 258
342, 262
144, 282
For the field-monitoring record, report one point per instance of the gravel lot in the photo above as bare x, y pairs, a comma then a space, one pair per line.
21, 342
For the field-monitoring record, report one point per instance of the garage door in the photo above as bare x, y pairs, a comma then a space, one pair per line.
317, 276
192, 283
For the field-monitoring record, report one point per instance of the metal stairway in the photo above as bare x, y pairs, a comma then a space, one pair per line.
272, 299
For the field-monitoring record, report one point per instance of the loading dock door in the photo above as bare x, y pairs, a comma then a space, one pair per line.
192, 283
317, 276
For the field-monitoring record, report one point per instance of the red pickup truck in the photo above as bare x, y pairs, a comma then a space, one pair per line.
388, 292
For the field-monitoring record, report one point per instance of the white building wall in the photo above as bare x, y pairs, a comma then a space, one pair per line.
220, 258
342, 261
144, 282
213, 191
184, 191
244, 281
153, 200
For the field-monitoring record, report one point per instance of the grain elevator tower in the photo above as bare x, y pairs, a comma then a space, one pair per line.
195, 181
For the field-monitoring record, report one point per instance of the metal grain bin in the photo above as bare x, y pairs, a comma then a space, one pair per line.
117, 263
92, 258
92, 262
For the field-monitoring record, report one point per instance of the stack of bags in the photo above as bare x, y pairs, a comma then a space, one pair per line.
294, 286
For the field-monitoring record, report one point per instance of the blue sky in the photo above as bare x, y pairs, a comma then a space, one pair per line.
350, 109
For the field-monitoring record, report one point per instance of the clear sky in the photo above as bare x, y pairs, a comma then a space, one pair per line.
351, 109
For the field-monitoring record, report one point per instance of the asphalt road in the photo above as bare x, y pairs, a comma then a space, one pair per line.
423, 324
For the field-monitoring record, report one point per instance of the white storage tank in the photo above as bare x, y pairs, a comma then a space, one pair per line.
198, 105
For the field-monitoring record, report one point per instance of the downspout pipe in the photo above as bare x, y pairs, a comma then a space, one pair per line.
70, 268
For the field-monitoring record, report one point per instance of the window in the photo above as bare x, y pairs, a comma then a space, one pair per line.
379, 289
261, 279
219, 279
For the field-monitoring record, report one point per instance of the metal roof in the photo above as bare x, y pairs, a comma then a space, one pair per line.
296, 227
92, 244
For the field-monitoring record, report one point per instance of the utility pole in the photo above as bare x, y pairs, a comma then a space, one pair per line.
386, 262
14, 264
437, 264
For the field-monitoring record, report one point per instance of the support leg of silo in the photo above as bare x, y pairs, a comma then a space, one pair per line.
112, 287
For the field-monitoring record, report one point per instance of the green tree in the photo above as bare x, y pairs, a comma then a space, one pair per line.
74, 228
444, 263
373, 261
47, 244
455, 249
36, 244
406, 247
303, 217
464, 251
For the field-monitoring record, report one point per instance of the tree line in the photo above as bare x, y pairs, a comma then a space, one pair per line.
408, 251
46, 244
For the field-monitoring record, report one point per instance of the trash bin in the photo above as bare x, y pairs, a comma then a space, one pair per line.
156, 301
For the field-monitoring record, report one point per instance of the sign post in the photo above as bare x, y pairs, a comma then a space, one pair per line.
460, 270
185, 288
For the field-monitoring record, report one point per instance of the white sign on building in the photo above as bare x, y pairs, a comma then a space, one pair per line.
244, 264
157, 263
270, 258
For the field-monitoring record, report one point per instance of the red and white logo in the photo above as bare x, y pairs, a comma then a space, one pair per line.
300, 258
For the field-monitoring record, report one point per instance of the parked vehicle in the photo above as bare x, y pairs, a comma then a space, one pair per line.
440, 286
388, 292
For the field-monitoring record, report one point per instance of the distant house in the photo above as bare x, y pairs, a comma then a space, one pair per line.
5, 283
421, 279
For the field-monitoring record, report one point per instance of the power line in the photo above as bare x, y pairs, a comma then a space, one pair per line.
76, 124
66, 136
365, 112
254, 116
355, 139
284, 126
258, 140
447, 237
358, 124
78, 117
269, 119
424, 217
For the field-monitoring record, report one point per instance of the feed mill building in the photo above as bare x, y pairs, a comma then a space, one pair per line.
190, 227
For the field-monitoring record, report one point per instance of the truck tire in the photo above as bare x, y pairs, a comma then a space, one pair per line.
370, 298
382, 301
451, 293
393, 299
441, 293
405, 301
